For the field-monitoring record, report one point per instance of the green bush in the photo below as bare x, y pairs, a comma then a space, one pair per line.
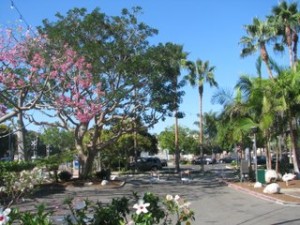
16, 166
65, 175
103, 174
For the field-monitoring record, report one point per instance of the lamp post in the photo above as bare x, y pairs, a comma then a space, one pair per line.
254, 131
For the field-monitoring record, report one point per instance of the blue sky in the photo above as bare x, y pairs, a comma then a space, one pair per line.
208, 30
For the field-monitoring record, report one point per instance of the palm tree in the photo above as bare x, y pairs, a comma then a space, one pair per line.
259, 96
199, 73
286, 18
259, 34
235, 121
286, 90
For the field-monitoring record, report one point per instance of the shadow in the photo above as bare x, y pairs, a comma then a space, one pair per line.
44, 190
287, 222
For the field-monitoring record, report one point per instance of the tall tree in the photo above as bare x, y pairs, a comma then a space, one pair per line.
28, 68
259, 34
286, 90
187, 141
135, 77
200, 72
286, 17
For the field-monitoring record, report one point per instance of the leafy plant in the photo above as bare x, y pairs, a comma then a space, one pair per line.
40, 217
65, 175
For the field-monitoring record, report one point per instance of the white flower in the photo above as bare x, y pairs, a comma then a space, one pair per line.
141, 207
2, 189
4, 216
181, 202
184, 205
169, 197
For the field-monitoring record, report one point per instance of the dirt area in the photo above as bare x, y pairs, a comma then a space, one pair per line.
290, 193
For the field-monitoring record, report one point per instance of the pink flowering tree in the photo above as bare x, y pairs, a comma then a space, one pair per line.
75, 103
30, 71
135, 78
23, 79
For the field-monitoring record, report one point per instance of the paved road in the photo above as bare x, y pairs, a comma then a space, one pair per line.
212, 201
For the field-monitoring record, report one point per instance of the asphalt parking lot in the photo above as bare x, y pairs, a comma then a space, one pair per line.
211, 199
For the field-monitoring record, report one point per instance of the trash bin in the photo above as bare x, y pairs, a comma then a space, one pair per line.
261, 176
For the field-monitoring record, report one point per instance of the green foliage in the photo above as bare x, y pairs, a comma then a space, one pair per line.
118, 153
58, 138
150, 210
187, 141
110, 214
53, 161
157, 213
40, 217
65, 175
138, 79
16, 166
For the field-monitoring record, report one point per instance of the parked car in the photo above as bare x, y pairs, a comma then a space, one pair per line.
226, 160
203, 160
164, 162
261, 160
146, 163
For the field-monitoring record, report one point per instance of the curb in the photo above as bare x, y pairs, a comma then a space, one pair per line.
261, 196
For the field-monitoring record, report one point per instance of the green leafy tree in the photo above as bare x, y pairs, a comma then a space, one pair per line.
135, 77
58, 139
123, 149
188, 142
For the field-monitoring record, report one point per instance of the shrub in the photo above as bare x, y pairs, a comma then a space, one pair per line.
65, 175
103, 174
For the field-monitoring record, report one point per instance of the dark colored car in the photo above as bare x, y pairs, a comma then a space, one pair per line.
261, 160
146, 163
203, 160
164, 162
226, 160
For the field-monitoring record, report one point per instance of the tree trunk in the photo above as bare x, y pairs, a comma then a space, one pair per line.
268, 156
177, 152
201, 127
79, 133
293, 135
89, 162
265, 57
295, 45
21, 138
288, 37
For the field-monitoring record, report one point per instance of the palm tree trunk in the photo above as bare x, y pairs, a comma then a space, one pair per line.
265, 57
177, 152
295, 43
268, 155
289, 43
294, 146
201, 127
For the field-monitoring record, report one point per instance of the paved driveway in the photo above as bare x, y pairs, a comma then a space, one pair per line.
212, 201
